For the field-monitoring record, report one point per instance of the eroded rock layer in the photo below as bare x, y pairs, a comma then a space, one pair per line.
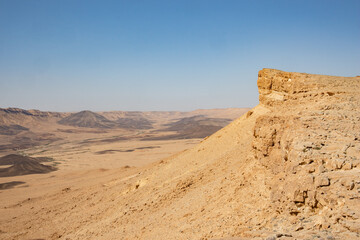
310, 143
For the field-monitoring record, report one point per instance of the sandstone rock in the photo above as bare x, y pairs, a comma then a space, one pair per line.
298, 227
348, 183
321, 169
271, 238
321, 223
279, 235
312, 201
351, 186
334, 164
322, 181
299, 196
347, 165
352, 225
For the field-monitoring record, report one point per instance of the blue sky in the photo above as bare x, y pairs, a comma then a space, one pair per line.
71, 55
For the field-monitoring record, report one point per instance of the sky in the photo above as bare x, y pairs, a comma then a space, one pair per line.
161, 55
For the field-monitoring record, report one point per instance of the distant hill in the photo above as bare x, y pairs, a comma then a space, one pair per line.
19, 116
197, 126
20, 128
31, 112
87, 119
94, 120
12, 129
16, 120
22, 165
134, 123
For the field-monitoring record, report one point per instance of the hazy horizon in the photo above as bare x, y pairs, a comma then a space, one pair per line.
120, 110
69, 56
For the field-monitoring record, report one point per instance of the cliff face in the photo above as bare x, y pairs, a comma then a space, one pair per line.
310, 142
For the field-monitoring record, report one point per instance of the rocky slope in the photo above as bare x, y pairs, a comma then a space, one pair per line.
287, 169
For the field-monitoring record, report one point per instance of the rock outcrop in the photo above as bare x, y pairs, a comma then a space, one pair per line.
310, 143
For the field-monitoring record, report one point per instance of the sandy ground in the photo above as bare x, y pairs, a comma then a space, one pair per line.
81, 164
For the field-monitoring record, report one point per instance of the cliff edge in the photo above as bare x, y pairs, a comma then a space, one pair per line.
310, 142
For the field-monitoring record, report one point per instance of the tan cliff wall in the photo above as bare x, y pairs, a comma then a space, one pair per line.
310, 141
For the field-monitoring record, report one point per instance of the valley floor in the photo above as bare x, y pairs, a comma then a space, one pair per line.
82, 164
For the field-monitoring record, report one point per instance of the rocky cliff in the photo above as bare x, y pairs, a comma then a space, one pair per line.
310, 142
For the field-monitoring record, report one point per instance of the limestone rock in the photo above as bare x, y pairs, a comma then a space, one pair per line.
322, 181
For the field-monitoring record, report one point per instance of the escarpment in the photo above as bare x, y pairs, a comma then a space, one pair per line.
310, 142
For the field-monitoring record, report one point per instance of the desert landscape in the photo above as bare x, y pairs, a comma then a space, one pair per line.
60, 145
286, 169
179, 120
